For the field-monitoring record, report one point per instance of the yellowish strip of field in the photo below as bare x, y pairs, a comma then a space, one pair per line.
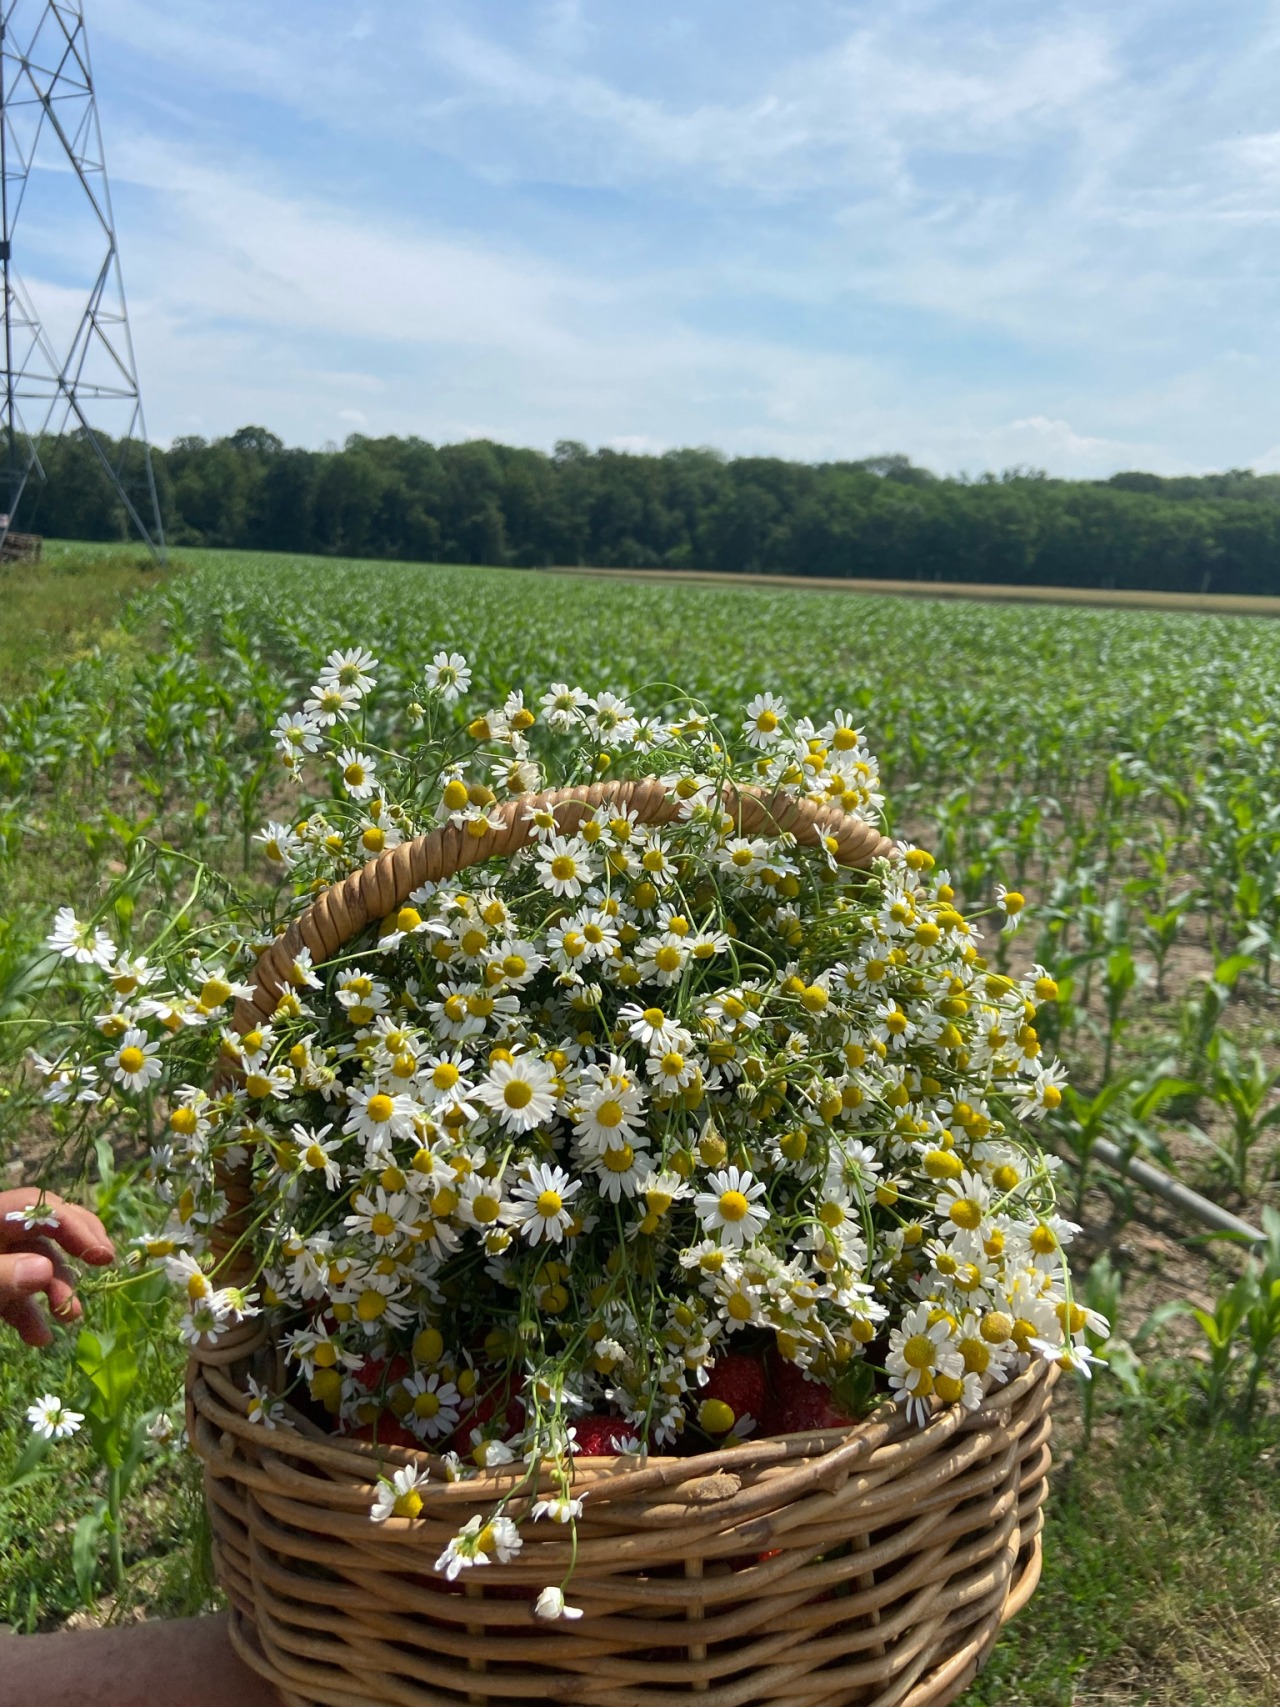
1218, 604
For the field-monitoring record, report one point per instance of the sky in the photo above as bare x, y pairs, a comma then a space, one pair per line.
981, 233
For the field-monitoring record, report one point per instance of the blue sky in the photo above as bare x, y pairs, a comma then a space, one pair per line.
979, 233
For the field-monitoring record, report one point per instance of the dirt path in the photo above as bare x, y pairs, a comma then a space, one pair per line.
1111, 598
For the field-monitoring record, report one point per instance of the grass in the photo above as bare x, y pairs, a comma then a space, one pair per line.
1159, 1585
1160, 1544
65, 605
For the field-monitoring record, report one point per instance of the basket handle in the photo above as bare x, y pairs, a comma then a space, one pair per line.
342, 911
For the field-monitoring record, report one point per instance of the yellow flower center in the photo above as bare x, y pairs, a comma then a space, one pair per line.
550, 1203
382, 1225
976, 1355
620, 1159
444, 1075
371, 1305
408, 1505
426, 1405
966, 1213
132, 1059
315, 1156
517, 1093
733, 1205
918, 1352
485, 1208
380, 1108
766, 722
563, 867
673, 1064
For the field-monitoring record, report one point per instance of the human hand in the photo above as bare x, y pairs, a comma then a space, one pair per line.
31, 1261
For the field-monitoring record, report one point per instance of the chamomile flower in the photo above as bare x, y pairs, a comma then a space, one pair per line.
359, 773
78, 940
651, 1027
540, 1202
551, 1605
52, 1419
435, 1405
521, 1092
279, 843
565, 866
399, 1496
763, 726
732, 1208
479, 1543
264, 1410
448, 675
350, 670
296, 734
134, 1064
562, 706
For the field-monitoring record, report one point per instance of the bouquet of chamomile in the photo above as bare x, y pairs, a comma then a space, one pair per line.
647, 1138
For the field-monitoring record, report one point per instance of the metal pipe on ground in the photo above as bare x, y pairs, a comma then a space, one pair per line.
1173, 1192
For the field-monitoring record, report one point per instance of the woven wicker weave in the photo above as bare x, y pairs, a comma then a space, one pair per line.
869, 1566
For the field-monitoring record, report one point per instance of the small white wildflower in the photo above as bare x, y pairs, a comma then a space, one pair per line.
53, 1419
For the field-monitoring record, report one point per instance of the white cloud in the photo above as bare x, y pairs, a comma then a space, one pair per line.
980, 233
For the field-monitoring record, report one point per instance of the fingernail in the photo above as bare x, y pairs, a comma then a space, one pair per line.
32, 1271
101, 1254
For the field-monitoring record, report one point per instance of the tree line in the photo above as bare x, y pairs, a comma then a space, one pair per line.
882, 517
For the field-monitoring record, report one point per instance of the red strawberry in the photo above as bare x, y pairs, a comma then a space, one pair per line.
799, 1405
385, 1430
372, 1370
739, 1383
594, 1436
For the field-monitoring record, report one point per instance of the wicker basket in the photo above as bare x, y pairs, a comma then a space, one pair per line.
871, 1566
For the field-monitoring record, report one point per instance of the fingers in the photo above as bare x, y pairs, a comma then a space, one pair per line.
79, 1231
23, 1276
61, 1289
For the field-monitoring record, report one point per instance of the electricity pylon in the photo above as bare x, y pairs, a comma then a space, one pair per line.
72, 366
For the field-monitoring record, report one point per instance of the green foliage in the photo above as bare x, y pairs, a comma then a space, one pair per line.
1120, 767
481, 502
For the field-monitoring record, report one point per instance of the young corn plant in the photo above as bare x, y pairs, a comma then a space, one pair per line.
1116, 1359
1243, 1088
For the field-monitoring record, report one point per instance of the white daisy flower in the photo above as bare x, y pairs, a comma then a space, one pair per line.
51, 1418
521, 1092
449, 675
539, 1204
763, 724
348, 670
478, 1543
296, 733
398, 1497
84, 943
359, 773
561, 706
551, 1605
134, 1064
565, 866
732, 1208
263, 1409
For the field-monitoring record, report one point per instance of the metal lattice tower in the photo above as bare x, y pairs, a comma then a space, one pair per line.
71, 366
